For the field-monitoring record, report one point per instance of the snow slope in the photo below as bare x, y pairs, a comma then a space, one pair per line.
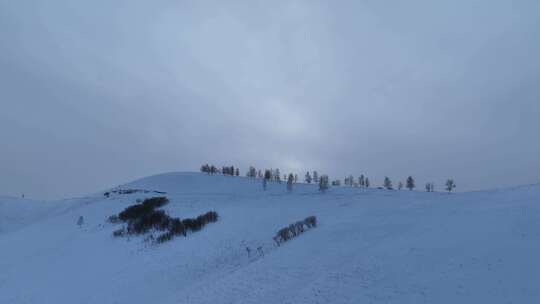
372, 246
16, 213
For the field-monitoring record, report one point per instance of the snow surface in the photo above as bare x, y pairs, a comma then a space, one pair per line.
371, 246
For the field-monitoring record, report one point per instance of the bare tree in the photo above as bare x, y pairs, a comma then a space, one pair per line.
410, 183
362, 181
277, 176
267, 174
290, 181
349, 181
323, 183
450, 185
252, 172
387, 183
308, 178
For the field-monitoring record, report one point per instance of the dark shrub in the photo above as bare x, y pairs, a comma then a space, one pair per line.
311, 221
284, 234
131, 191
201, 220
156, 202
294, 230
119, 232
192, 224
143, 217
155, 219
140, 210
134, 212
167, 236
208, 217
211, 216
176, 227
299, 226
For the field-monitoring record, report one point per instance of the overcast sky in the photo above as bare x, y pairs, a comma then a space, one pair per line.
98, 93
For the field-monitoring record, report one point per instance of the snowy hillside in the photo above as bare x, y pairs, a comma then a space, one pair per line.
16, 213
371, 246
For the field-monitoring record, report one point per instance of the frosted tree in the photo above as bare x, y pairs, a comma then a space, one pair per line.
351, 180
277, 176
366, 183
267, 177
387, 183
450, 185
400, 186
308, 178
237, 173
430, 187
410, 183
269, 171
290, 181
267, 174
361, 181
323, 183
210, 169
296, 178
252, 172
315, 177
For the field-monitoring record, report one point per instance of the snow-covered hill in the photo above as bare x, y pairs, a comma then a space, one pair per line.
371, 246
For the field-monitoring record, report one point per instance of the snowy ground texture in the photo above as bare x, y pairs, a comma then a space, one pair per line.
371, 246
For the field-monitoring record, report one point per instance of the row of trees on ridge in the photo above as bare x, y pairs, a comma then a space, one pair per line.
274, 175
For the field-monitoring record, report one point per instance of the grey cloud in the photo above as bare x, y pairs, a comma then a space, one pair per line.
97, 93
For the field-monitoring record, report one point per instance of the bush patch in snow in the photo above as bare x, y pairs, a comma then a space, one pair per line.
181, 227
293, 230
130, 191
143, 217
